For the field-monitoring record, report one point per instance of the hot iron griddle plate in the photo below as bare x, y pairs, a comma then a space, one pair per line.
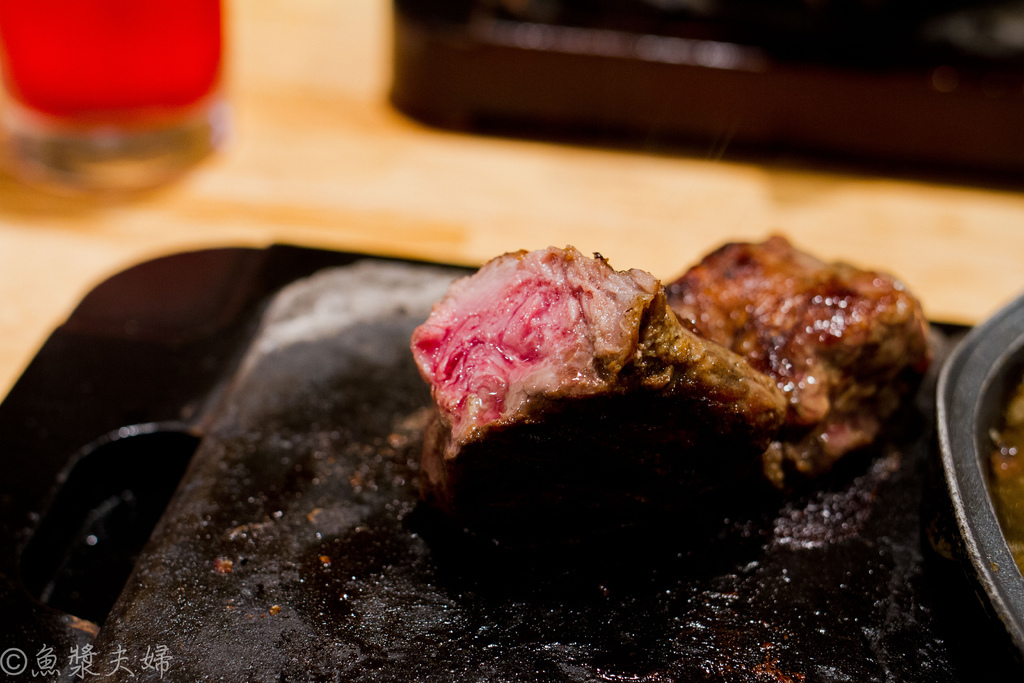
294, 548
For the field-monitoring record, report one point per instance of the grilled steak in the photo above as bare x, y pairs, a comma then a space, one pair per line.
568, 392
844, 344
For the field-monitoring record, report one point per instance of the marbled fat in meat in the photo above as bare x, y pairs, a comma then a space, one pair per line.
566, 389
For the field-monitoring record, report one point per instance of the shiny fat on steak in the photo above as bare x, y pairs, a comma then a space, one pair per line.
843, 343
567, 390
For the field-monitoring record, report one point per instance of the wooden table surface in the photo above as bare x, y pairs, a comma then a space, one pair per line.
317, 157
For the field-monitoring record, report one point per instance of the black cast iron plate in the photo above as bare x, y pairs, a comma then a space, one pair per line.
294, 549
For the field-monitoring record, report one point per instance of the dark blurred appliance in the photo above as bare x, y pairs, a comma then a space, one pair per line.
904, 82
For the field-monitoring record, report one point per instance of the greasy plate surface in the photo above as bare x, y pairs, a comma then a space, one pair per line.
306, 485
295, 549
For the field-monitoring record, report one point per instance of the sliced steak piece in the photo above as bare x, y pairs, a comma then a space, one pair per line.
844, 344
569, 393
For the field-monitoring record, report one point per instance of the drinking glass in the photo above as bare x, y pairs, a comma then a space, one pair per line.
110, 94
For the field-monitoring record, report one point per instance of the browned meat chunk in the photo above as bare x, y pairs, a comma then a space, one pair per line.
844, 344
566, 390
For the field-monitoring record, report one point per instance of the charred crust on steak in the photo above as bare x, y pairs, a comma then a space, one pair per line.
570, 393
844, 344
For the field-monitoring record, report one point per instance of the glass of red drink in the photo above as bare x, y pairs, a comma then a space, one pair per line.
111, 94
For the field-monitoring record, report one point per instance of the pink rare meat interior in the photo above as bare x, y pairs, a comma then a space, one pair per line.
524, 324
569, 395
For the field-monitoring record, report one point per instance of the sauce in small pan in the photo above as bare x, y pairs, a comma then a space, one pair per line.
1007, 482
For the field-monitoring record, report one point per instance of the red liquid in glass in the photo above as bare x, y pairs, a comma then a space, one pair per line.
82, 58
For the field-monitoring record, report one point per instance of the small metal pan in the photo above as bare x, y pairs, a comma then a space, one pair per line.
972, 392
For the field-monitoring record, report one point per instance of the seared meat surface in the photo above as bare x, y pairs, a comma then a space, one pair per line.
566, 390
844, 344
